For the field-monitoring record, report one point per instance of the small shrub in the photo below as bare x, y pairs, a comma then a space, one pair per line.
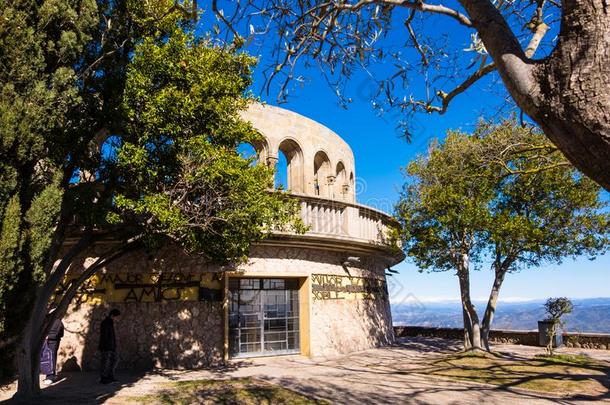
556, 308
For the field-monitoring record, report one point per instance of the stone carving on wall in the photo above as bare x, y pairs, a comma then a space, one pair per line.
334, 287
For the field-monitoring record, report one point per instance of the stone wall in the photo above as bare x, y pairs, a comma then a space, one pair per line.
149, 335
336, 325
343, 326
163, 333
187, 333
528, 338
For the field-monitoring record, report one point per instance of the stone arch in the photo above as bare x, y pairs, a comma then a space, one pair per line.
262, 149
257, 149
293, 153
341, 181
352, 186
323, 176
248, 151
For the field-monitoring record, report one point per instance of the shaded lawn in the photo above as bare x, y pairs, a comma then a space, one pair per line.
244, 391
560, 374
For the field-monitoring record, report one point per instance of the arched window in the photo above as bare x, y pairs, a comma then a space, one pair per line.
352, 187
323, 176
289, 169
256, 150
341, 184
281, 171
248, 151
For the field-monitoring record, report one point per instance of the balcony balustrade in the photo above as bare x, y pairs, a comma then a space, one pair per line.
335, 219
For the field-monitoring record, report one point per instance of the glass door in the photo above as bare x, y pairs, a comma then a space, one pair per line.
263, 317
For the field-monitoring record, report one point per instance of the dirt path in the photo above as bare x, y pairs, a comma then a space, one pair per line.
377, 376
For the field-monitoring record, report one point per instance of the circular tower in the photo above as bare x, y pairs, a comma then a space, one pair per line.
323, 292
337, 268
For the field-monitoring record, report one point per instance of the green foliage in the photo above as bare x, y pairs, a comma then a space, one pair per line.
442, 216
41, 219
556, 308
40, 45
115, 114
10, 260
187, 181
502, 195
184, 87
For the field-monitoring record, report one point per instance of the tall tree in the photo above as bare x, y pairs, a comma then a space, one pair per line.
564, 89
504, 196
126, 129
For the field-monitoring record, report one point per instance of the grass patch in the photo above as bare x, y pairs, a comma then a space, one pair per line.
240, 391
560, 374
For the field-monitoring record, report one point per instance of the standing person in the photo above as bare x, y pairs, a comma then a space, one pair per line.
49, 367
107, 347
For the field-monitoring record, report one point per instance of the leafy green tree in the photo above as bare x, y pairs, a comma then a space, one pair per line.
504, 196
117, 123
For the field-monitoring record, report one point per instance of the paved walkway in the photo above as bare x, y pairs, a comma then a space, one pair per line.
377, 376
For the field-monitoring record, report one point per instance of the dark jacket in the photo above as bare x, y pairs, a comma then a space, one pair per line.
57, 330
107, 337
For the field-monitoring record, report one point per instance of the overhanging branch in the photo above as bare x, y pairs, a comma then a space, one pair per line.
462, 87
539, 31
416, 5
67, 297
416, 44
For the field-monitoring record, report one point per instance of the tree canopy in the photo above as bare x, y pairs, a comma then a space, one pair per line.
118, 122
502, 196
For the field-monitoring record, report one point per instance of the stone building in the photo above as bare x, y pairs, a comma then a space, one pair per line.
320, 293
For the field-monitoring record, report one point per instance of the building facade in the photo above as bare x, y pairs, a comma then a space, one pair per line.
321, 293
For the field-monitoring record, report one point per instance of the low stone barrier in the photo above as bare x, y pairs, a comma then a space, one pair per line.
599, 341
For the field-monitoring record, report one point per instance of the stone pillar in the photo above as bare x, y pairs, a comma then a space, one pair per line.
330, 181
344, 191
352, 222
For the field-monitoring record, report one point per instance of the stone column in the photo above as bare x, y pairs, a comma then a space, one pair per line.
330, 181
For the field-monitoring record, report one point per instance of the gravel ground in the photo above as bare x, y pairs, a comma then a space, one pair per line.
376, 376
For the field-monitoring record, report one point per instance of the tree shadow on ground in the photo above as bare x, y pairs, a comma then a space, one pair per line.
239, 391
82, 388
410, 372
379, 377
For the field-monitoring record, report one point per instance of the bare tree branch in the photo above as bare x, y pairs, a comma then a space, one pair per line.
416, 43
417, 5
220, 15
462, 87
539, 33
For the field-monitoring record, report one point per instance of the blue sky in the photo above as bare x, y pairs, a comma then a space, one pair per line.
380, 154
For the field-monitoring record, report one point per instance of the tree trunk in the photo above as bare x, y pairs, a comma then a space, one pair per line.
28, 351
568, 93
28, 386
490, 310
28, 382
472, 330
575, 89
467, 330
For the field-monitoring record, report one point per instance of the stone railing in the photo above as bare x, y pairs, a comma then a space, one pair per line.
344, 220
520, 337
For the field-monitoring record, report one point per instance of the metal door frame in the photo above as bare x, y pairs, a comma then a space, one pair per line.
262, 295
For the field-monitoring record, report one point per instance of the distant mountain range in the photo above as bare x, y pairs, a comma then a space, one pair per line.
589, 315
